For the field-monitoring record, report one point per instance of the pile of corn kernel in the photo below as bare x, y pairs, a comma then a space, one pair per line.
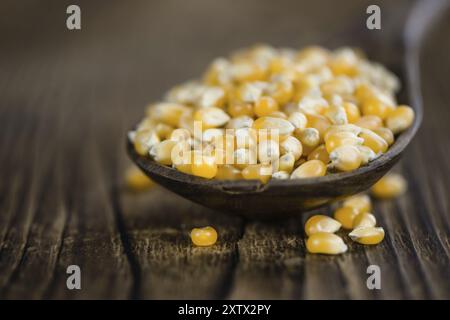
276, 113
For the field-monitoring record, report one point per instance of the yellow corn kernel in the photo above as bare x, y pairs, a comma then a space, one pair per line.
146, 124
284, 127
187, 122
321, 223
281, 175
309, 137
204, 166
360, 202
298, 119
319, 153
370, 122
244, 157
336, 114
240, 122
136, 180
313, 105
374, 141
248, 92
352, 111
162, 152
299, 162
351, 128
375, 107
204, 237
211, 97
247, 71
346, 158
168, 113
318, 122
319, 54
310, 169
240, 109
210, 135
278, 64
291, 145
245, 138
367, 154
257, 172
386, 134
341, 138
342, 67
278, 114
364, 91
325, 243
211, 117
282, 91
390, 186
180, 134
264, 106
367, 235
400, 119
268, 151
286, 162
163, 131
346, 216
144, 140
364, 220
228, 172
337, 86
185, 168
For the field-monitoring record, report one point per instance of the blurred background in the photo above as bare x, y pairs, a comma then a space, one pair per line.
67, 99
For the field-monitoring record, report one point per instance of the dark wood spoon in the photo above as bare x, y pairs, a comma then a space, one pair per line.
280, 199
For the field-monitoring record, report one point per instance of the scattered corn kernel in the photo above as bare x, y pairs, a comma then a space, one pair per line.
204, 237
321, 223
364, 220
136, 180
367, 235
390, 186
346, 216
325, 243
360, 202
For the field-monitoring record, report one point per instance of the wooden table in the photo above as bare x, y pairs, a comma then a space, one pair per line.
67, 99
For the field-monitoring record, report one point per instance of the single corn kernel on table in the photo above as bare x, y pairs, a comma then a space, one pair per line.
67, 100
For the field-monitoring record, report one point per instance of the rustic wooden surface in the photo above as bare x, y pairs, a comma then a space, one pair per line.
66, 101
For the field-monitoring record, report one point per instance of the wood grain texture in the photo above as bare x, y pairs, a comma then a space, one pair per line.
67, 99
